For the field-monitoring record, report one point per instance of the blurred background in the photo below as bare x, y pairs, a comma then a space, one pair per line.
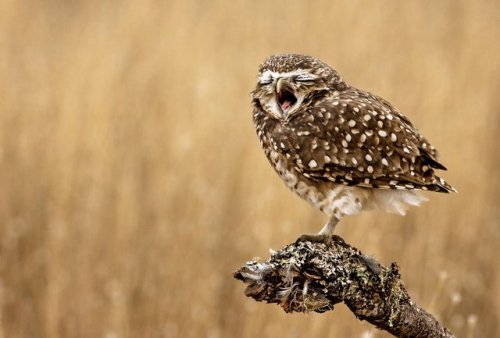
132, 183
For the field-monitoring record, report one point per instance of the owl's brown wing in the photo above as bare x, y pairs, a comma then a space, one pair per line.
356, 138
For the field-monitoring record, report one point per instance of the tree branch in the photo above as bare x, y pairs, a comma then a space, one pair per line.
308, 276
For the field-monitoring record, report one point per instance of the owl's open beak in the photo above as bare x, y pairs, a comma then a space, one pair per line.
284, 95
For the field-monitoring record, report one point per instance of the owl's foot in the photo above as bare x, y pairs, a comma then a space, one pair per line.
315, 238
324, 236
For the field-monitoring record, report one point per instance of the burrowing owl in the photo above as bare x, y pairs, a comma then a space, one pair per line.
342, 149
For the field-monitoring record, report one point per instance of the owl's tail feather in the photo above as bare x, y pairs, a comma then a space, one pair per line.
440, 186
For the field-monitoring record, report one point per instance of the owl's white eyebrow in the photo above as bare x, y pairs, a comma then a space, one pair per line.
269, 74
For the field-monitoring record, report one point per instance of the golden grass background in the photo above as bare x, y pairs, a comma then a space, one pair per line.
132, 183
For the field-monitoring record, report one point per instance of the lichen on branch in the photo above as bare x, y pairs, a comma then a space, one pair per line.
308, 276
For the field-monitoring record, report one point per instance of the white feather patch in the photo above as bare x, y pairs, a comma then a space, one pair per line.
395, 201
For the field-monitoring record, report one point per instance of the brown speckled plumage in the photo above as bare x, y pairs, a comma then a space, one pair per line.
321, 133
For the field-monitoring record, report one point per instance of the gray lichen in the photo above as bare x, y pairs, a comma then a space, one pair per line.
307, 276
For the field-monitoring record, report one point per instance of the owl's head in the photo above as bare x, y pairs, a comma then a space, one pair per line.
287, 81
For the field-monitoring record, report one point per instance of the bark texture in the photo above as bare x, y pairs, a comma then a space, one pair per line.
309, 276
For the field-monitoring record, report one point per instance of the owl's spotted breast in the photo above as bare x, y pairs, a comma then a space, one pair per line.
333, 199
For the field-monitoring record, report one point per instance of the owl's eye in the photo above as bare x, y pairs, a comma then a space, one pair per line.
265, 80
305, 77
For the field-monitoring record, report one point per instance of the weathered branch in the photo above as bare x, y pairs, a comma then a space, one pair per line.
310, 276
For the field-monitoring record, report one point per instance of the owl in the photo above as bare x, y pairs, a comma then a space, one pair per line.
342, 149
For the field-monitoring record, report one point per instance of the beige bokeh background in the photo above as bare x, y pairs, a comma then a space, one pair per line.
132, 183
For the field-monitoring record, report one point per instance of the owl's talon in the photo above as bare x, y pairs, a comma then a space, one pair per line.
315, 238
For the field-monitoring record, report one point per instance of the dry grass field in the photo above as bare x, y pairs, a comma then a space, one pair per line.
132, 183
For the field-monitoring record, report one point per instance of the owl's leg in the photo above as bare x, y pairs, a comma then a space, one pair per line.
329, 227
325, 234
